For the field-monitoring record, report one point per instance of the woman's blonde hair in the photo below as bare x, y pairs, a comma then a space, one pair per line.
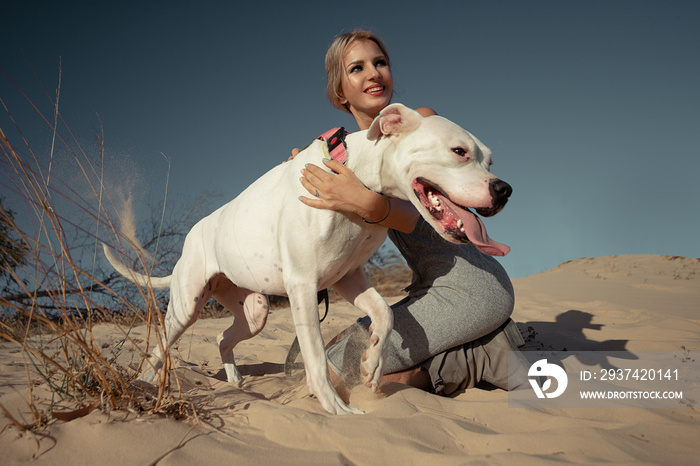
334, 63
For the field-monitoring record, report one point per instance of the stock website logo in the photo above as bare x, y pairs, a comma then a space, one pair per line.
541, 369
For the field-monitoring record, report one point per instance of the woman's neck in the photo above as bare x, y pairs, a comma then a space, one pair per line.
363, 120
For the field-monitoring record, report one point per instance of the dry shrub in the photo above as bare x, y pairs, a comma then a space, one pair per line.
52, 301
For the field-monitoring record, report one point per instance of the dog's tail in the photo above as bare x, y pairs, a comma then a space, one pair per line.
139, 279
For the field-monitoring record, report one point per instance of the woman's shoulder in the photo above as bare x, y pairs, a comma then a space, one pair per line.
426, 111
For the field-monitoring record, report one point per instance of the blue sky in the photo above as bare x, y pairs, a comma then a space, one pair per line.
590, 107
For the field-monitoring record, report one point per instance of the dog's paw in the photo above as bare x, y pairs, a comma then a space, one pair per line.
333, 404
147, 376
342, 408
232, 373
372, 363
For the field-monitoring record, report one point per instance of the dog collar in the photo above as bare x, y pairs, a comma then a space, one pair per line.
335, 143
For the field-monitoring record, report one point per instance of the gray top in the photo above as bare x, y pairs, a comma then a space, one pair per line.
457, 295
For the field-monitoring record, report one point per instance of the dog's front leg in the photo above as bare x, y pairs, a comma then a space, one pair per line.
304, 305
359, 291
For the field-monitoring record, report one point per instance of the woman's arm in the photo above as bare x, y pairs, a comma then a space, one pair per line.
344, 192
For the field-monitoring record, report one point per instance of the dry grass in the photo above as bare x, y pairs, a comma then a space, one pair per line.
52, 302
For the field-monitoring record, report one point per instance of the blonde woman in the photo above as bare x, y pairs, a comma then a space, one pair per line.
453, 329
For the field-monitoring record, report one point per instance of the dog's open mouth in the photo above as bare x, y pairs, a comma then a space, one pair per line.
457, 221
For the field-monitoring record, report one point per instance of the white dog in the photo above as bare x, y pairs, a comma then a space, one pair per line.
267, 242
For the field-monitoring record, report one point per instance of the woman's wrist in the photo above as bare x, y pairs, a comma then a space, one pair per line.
387, 210
371, 206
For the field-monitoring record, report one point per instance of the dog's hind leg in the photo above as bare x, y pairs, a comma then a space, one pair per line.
187, 298
250, 312
355, 288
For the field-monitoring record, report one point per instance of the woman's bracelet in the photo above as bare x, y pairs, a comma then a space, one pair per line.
388, 201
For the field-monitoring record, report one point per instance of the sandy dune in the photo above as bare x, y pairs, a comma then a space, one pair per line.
635, 303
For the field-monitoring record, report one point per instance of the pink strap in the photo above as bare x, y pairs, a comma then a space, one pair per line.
336, 146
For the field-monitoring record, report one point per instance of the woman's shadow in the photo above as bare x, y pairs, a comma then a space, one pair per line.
566, 334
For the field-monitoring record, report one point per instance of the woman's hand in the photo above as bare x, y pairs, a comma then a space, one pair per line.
343, 192
295, 152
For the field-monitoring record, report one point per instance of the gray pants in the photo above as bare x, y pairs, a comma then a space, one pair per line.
485, 359
464, 366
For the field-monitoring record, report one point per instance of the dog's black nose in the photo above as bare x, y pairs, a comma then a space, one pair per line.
499, 189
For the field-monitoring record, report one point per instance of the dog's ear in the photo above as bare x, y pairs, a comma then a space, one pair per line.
394, 119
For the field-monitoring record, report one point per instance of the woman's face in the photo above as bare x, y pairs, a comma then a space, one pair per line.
367, 84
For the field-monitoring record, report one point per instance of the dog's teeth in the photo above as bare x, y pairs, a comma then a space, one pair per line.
435, 201
459, 224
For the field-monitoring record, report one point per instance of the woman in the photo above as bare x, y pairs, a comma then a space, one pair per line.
453, 329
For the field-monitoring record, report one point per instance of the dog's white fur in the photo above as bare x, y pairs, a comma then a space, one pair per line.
267, 242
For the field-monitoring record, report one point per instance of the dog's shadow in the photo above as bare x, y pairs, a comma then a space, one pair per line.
258, 369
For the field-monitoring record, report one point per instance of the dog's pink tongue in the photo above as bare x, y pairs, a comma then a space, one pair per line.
476, 232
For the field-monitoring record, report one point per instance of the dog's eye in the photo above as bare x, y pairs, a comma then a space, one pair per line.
460, 151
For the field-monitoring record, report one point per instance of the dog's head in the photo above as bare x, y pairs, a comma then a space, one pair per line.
447, 174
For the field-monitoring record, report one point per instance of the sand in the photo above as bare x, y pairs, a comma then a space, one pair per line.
635, 302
